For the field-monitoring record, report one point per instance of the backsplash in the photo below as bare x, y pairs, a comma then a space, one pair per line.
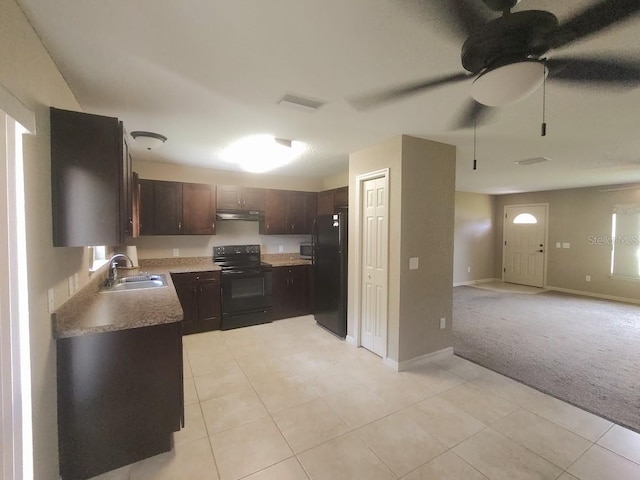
228, 233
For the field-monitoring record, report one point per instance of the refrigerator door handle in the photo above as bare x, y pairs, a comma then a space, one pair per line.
314, 233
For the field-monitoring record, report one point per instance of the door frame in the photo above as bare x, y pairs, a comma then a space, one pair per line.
358, 252
546, 237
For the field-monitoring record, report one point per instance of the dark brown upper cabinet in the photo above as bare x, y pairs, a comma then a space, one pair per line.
91, 180
198, 209
288, 212
175, 208
230, 197
330, 200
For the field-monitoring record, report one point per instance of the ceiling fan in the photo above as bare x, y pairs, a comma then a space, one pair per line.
505, 55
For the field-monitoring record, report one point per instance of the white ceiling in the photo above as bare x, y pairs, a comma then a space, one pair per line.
205, 73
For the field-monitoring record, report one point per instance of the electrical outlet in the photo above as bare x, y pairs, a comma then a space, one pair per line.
588, 278
468, 269
176, 252
413, 263
443, 323
51, 300
280, 248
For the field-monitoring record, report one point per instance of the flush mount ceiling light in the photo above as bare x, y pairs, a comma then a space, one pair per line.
261, 153
509, 83
148, 140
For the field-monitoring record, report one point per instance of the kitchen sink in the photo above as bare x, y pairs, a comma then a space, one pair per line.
137, 282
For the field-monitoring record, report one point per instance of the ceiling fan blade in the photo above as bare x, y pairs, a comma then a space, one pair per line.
474, 113
463, 17
366, 102
595, 18
614, 72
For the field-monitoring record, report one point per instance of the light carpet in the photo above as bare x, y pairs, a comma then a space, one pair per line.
582, 350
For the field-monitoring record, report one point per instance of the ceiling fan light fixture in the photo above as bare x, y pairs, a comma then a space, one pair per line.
148, 140
509, 83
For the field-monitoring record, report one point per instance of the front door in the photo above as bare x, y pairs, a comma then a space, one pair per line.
524, 246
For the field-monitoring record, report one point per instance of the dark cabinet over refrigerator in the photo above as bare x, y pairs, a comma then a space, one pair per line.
330, 271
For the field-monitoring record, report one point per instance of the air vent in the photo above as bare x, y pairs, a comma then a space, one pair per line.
531, 161
300, 103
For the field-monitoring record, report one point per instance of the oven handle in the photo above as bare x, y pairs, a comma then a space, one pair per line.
245, 272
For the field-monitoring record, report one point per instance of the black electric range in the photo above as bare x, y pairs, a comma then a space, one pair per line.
246, 286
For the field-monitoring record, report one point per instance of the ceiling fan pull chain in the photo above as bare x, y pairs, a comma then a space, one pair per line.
475, 126
543, 131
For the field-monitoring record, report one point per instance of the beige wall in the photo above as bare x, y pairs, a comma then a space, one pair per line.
574, 216
428, 189
421, 209
384, 155
474, 241
28, 73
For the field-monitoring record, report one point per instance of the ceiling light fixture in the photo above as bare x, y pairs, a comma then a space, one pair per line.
261, 153
148, 140
509, 83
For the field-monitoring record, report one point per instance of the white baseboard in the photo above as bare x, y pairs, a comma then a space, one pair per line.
475, 282
596, 295
350, 340
417, 361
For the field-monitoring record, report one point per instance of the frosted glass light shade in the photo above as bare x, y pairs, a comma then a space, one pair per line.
148, 140
509, 83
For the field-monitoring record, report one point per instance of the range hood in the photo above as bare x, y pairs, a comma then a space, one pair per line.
248, 215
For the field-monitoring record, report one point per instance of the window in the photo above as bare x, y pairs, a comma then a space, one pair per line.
625, 241
525, 218
99, 257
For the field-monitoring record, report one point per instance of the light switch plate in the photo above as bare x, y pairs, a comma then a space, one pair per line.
176, 252
566, 245
413, 263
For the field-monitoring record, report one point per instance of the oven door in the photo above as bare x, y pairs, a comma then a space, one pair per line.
245, 290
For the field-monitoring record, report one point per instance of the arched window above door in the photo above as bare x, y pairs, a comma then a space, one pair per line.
525, 218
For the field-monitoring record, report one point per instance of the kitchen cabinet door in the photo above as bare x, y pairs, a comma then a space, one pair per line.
167, 208
291, 291
198, 209
325, 202
200, 298
301, 211
120, 398
230, 197
90, 180
275, 213
341, 197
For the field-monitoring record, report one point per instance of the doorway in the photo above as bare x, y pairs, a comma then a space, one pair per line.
524, 244
372, 286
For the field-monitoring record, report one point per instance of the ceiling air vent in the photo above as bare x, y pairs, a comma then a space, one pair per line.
531, 161
300, 103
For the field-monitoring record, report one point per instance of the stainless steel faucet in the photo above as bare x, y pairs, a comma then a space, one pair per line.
113, 267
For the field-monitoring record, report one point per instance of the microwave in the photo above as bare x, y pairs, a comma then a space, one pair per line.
306, 250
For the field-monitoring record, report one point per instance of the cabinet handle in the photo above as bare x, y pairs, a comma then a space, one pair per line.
213, 226
179, 226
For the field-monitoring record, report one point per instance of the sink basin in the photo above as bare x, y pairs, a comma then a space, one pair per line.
138, 282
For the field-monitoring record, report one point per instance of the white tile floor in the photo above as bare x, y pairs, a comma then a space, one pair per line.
289, 401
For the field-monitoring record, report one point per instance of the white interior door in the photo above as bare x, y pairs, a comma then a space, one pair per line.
374, 266
524, 246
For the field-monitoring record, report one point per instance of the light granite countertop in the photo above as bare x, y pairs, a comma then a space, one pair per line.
284, 259
91, 311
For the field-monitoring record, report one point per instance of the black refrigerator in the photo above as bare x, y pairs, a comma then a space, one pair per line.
329, 246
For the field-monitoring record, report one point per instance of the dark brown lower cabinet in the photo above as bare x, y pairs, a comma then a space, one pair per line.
291, 291
120, 398
199, 295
